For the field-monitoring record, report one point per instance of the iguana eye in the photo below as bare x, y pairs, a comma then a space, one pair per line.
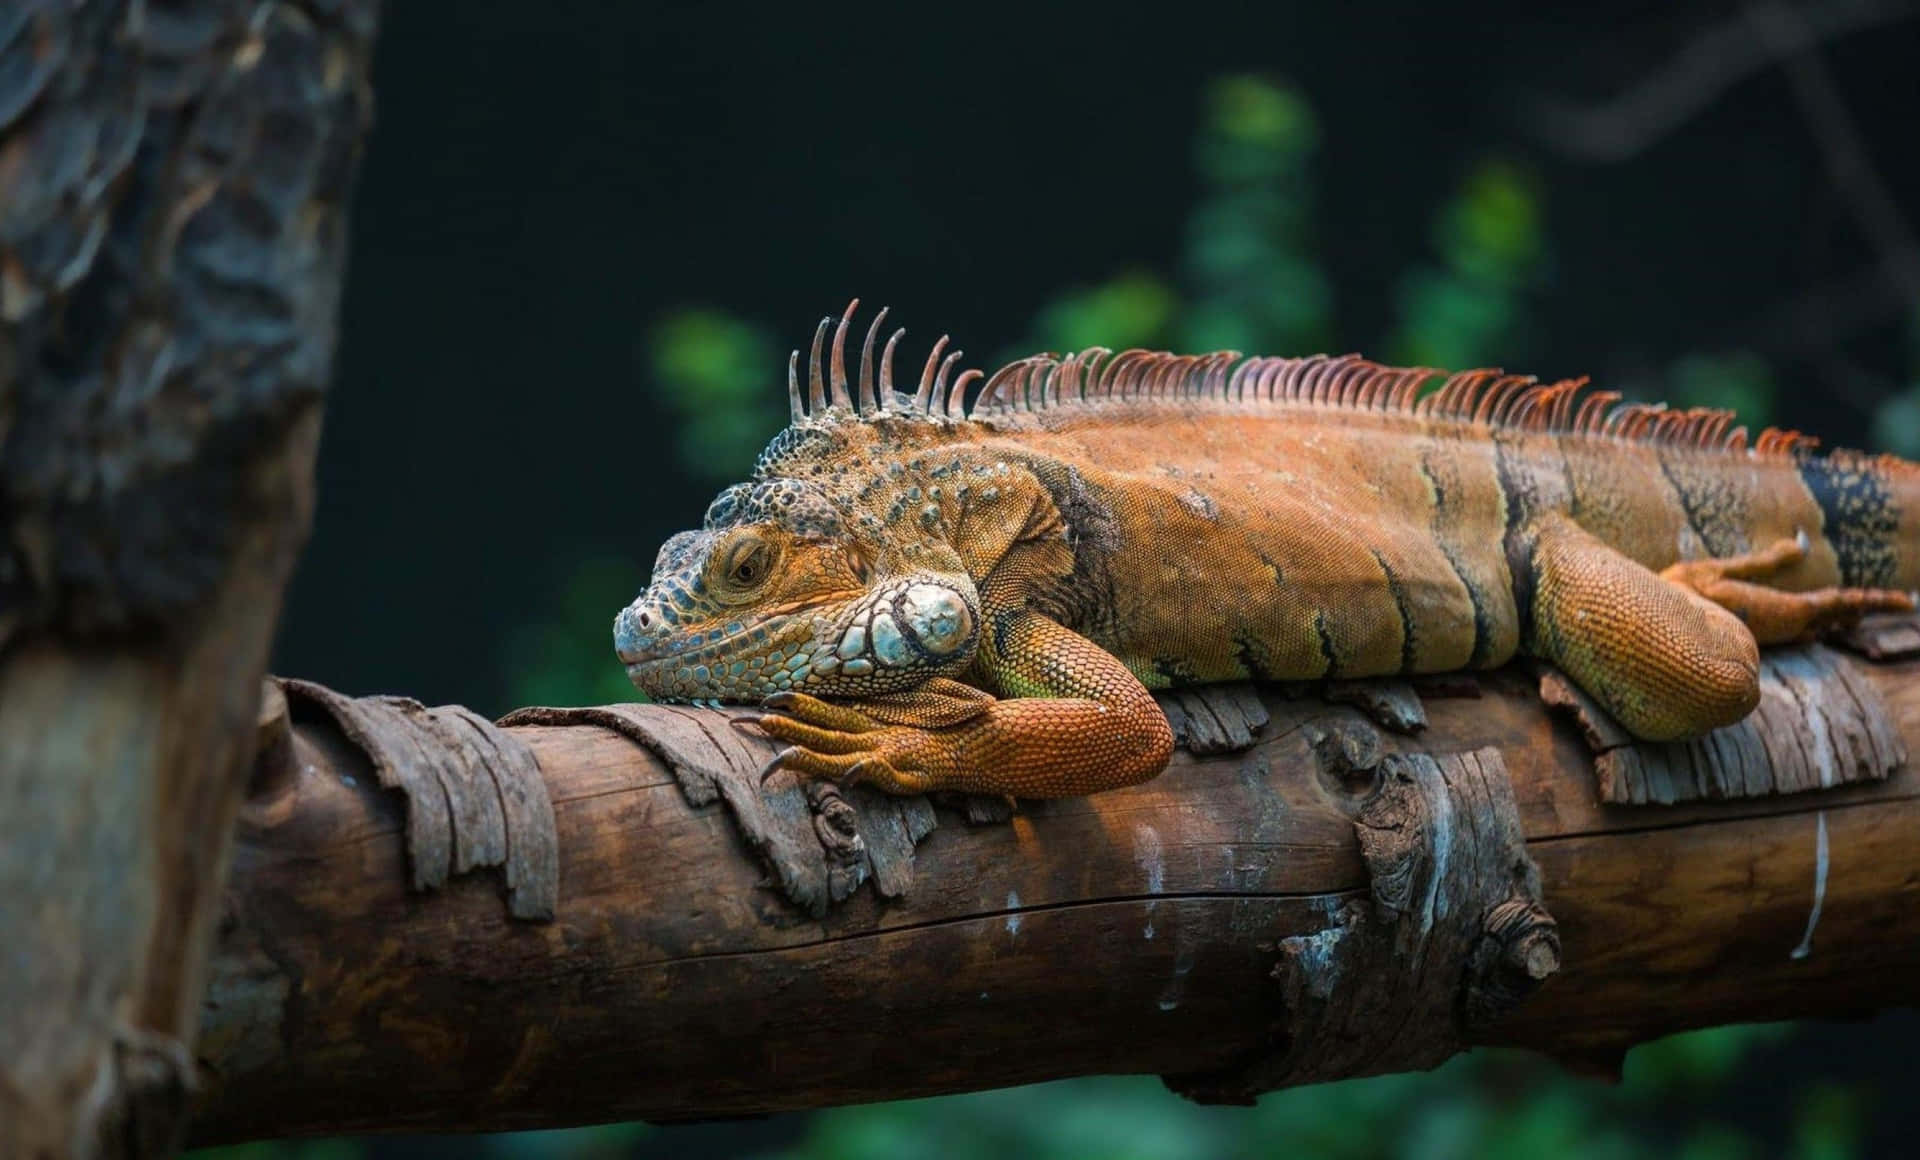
748, 563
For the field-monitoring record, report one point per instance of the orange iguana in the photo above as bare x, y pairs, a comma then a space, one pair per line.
929, 596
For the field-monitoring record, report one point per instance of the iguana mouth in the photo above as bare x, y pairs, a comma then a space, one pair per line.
896, 634
736, 663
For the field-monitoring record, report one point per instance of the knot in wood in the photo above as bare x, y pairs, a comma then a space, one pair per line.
1519, 951
836, 822
1348, 752
1454, 938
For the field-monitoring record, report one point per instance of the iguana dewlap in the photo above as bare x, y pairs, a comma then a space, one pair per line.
928, 596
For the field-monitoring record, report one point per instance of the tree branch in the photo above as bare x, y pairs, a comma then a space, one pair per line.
1719, 58
173, 184
1285, 913
1786, 31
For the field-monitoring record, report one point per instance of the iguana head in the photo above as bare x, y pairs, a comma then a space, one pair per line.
808, 579
775, 594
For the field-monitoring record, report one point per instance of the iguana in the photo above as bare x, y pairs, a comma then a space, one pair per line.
927, 595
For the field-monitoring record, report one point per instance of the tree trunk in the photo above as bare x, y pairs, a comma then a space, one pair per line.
173, 184
1298, 909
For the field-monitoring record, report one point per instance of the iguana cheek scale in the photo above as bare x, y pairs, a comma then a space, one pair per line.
927, 595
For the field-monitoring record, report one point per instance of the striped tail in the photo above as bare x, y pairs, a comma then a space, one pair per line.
1870, 515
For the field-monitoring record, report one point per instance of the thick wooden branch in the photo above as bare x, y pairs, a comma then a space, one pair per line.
1192, 927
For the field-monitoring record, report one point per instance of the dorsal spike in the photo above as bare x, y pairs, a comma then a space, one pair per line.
957, 401
923, 396
886, 368
1091, 361
1173, 376
1311, 387
1237, 381
1267, 380
1411, 383
1134, 378
1113, 378
1059, 381
1563, 404
1189, 375
938, 402
1528, 410
1033, 384
1494, 399
1137, 377
1274, 379
1023, 386
794, 408
1456, 397
1014, 387
1716, 430
1630, 421
837, 367
996, 387
868, 404
1067, 378
1182, 374
816, 387
1364, 392
1146, 375
1354, 384
1591, 418
1344, 386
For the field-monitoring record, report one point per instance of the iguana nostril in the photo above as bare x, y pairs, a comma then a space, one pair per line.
627, 638
645, 620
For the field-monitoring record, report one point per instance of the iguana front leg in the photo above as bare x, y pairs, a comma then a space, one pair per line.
1676, 654
1072, 721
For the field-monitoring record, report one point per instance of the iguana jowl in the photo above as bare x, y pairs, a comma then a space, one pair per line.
927, 596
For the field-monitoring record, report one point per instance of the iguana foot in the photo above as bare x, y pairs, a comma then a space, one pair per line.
902, 743
1775, 616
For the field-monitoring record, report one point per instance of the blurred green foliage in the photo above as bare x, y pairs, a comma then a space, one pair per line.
1489, 1104
1249, 281
1468, 308
564, 655
713, 370
1134, 309
1253, 283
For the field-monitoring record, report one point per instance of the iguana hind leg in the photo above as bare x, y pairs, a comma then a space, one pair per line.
1675, 654
1775, 616
1075, 721
1665, 661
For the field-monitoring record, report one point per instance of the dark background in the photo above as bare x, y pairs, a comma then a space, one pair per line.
547, 183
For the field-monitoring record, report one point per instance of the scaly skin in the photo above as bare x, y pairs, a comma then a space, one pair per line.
926, 601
